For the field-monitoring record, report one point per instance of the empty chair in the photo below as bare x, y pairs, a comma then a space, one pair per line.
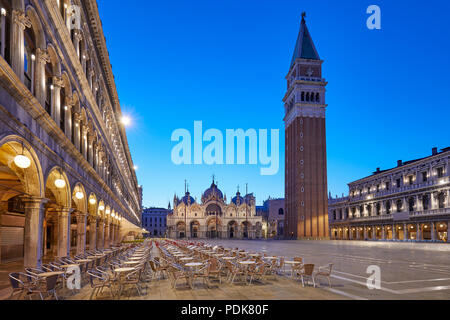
307, 273
325, 272
46, 286
98, 281
21, 283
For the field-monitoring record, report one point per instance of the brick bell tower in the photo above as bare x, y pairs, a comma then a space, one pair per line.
306, 155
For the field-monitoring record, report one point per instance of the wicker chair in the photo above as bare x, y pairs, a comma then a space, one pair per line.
21, 283
45, 286
325, 272
307, 272
98, 281
257, 272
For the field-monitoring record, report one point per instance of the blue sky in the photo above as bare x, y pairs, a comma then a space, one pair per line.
224, 63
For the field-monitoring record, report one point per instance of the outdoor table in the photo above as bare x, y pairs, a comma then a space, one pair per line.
65, 266
228, 258
131, 262
193, 265
270, 258
290, 262
49, 274
135, 258
186, 259
254, 254
218, 255
121, 271
83, 260
178, 255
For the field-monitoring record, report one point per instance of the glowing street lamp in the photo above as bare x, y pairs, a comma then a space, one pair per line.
22, 161
60, 183
79, 195
92, 201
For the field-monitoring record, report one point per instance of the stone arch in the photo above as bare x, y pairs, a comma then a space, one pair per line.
92, 205
54, 60
79, 204
36, 25
67, 84
60, 196
29, 181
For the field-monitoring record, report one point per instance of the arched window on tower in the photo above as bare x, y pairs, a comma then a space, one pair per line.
303, 96
307, 97
318, 97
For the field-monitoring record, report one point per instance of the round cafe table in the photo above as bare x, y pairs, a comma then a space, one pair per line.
228, 258
135, 258
186, 259
83, 260
121, 271
192, 265
49, 274
291, 263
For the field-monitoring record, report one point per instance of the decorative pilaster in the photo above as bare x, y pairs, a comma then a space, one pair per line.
100, 233
57, 104
42, 58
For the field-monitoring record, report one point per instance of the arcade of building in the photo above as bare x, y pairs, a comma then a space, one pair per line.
66, 175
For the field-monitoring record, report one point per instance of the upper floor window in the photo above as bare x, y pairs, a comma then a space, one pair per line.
410, 180
281, 211
29, 58
388, 185
440, 172
425, 176
398, 182
5, 29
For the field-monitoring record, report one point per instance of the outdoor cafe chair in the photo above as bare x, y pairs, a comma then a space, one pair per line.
133, 279
21, 283
325, 272
177, 272
98, 281
33, 271
296, 268
45, 286
307, 273
256, 272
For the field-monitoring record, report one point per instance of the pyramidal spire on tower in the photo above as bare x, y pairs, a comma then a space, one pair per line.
304, 47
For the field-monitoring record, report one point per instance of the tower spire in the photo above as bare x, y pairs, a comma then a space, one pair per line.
304, 47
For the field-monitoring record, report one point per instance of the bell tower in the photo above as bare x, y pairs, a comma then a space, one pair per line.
306, 157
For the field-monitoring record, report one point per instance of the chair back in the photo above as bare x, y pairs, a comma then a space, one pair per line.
308, 269
15, 281
51, 282
298, 259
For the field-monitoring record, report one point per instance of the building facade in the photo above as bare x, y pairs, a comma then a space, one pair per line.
214, 217
273, 215
154, 220
410, 202
66, 175
305, 145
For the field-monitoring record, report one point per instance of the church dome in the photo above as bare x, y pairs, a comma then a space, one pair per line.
238, 200
186, 198
213, 190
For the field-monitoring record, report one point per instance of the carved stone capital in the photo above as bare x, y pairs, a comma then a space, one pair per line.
58, 82
20, 18
43, 55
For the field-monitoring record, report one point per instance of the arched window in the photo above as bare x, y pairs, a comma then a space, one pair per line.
425, 202
399, 204
280, 211
388, 207
63, 108
48, 88
303, 96
5, 29
318, 97
307, 96
29, 58
378, 208
411, 204
441, 200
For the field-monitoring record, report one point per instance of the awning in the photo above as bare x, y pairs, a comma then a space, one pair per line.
127, 226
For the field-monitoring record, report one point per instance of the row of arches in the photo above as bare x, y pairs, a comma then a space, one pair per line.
215, 227
54, 213
26, 46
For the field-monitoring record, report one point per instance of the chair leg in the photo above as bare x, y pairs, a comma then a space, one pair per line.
303, 283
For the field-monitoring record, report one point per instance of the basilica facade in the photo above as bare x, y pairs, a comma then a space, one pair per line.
213, 217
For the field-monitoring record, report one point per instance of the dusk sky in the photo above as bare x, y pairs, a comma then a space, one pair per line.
225, 62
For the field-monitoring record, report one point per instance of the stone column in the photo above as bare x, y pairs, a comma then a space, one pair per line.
57, 104
77, 131
374, 233
365, 233
107, 233
42, 58
92, 232
100, 233
63, 232
81, 232
383, 232
418, 233
84, 143
433, 231
19, 22
33, 237
394, 232
405, 232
